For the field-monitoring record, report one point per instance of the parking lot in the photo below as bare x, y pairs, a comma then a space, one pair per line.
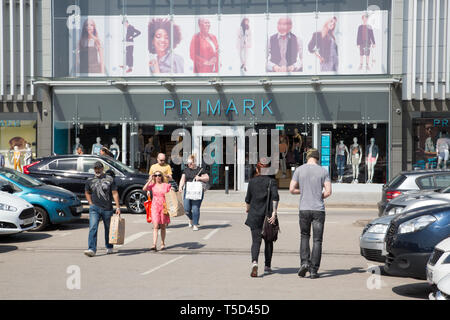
212, 263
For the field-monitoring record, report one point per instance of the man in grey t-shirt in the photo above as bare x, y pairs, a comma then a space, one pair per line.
313, 184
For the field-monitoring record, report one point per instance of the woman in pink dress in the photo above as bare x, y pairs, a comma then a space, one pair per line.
160, 220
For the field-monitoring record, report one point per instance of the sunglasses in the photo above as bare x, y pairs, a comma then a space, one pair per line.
158, 175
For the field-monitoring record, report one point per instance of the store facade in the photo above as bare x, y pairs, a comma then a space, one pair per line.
136, 111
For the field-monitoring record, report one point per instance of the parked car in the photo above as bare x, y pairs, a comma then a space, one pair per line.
443, 290
16, 214
411, 238
71, 172
417, 199
371, 241
411, 181
53, 205
439, 263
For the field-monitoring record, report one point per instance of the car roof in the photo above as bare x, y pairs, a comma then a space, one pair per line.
62, 156
444, 244
423, 172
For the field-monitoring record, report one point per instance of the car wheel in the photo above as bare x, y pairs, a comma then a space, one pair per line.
42, 219
135, 201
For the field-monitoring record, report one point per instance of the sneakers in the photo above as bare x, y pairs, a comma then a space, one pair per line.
109, 251
190, 223
303, 270
195, 228
267, 271
89, 253
254, 273
314, 274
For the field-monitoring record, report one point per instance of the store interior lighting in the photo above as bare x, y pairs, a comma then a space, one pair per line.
374, 125
81, 126
355, 125
106, 126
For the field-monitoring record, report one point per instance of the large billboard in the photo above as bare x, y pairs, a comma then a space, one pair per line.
341, 43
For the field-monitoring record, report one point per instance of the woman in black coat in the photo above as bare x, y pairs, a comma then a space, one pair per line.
256, 199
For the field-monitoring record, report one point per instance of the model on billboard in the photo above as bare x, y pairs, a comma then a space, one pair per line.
204, 49
161, 56
244, 42
356, 154
323, 44
365, 40
371, 159
285, 49
131, 33
90, 56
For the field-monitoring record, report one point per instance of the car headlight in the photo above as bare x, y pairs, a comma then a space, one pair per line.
416, 224
7, 207
396, 210
54, 199
378, 228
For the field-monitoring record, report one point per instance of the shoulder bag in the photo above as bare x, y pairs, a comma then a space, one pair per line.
269, 230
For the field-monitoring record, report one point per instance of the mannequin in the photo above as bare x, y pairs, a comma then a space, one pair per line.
283, 147
342, 155
371, 159
148, 150
115, 149
297, 145
16, 159
96, 147
356, 155
77, 145
28, 154
442, 149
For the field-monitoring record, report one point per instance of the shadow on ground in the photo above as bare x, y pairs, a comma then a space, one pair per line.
414, 290
323, 274
24, 237
4, 249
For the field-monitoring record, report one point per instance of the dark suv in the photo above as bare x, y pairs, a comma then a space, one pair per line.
71, 172
412, 181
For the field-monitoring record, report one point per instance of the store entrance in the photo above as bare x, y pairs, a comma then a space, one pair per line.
222, 150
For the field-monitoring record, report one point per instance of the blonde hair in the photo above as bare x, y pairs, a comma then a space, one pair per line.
163, 178
192, 157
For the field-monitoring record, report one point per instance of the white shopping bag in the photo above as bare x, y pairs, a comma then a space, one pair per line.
194, 190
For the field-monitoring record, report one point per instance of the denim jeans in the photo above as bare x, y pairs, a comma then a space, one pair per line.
95, 213
340, 165
192, 208
316, 219
256, 246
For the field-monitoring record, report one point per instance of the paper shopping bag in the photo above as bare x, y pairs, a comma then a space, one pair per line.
117, 230
174, 203
194, 190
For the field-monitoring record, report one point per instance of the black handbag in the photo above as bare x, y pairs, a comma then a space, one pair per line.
269, 230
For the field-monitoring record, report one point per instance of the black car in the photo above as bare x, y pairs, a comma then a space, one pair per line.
412, 181
71, 172
411, 238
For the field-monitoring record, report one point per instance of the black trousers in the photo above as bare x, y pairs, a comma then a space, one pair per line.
129, 56
316, 220
256, 245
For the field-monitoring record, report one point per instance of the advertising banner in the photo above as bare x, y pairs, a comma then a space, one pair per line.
341, 43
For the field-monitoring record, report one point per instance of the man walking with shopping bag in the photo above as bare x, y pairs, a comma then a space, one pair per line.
99, 191
313, 184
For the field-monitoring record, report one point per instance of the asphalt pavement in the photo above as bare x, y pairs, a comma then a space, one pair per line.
212, 263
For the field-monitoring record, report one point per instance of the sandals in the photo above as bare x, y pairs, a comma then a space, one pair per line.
153, 248
162, 248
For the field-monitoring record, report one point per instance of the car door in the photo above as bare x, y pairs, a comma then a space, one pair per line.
65, 174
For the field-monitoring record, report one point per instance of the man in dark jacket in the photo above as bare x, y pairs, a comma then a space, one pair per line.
132, 33
365, 40
285, 49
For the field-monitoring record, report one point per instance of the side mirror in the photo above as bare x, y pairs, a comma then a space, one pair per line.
7, 188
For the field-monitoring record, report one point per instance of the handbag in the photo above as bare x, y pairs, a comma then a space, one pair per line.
205, 185
269, 230
148, 209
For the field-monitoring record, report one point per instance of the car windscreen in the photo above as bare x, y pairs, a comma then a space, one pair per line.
397, 181
21, 178
120, 166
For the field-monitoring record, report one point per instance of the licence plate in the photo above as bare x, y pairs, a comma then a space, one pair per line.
28, 221
79, 209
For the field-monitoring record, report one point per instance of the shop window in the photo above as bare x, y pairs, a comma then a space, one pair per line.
17, 133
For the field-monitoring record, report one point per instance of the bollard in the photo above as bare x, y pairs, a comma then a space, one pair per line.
226, 179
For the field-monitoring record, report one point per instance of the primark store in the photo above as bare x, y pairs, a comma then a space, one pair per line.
129, 74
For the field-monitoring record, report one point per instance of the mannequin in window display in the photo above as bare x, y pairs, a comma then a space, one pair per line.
148, 150
430, 149
96, 147
77, 145
16, 159
342, 155
115, 149
442, 147
27, 155
356, 155
283, 148
297, 145
371, 159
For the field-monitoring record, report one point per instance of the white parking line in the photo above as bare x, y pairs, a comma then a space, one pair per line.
209, 235
161, 266
134, 237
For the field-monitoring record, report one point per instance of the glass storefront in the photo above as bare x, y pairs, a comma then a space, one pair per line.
17, 142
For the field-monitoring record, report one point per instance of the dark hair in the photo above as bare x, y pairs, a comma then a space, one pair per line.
165, 24
244, 27
84, 33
